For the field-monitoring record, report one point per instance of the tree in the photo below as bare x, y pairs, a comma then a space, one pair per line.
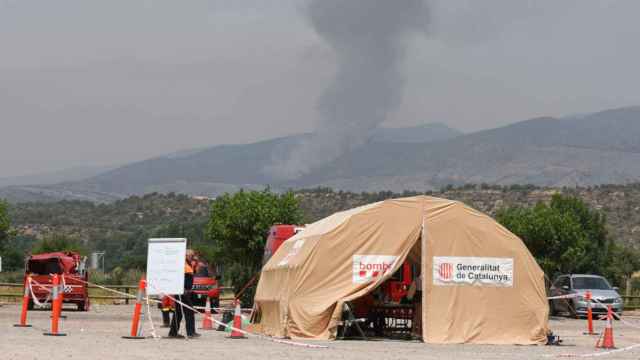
237, 231
58, 242
13, 255
5, 225
12, 258
565, 236
624, 263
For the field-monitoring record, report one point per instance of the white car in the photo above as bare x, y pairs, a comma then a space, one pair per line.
602, 294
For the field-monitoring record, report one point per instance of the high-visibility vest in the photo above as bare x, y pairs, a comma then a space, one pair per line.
188, 269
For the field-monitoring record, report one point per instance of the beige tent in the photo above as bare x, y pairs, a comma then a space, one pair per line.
481, 284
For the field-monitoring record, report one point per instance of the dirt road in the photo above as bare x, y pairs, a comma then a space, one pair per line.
96, 335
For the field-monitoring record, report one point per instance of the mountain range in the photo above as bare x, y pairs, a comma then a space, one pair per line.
46, 178
590, 149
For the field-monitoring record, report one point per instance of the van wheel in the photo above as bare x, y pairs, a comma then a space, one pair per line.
572, 312
552, 309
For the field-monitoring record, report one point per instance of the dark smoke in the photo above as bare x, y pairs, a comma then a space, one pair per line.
369, 38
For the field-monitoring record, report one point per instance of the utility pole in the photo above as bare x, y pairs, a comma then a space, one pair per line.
97, 257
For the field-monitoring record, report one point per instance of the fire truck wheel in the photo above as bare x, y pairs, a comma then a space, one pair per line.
84, 306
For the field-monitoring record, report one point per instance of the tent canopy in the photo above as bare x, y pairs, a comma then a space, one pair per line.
481, 284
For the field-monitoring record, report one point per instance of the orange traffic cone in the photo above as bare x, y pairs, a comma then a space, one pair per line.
25, 303
207, 323
607, 341
136, 329
237, 323
590, 331
56, 307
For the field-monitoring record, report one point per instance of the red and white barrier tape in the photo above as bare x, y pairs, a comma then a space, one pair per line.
604, 353
619, 316
259, 336
223, 308
596, 354
133, 296
153, 328
570, 296
47, 288
119, 292
34, 298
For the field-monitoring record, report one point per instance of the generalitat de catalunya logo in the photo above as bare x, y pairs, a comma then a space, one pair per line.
446, 271
366, 268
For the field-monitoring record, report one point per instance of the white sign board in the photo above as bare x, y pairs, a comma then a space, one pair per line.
165, 266
478, 271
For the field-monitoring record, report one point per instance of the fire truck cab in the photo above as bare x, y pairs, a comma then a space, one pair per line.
278, 234
74, 275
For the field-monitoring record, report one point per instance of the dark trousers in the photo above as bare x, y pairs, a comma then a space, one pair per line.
189, 318
166, 318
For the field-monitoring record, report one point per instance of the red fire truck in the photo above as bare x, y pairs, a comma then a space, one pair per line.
70, 265
278, 234
205, 285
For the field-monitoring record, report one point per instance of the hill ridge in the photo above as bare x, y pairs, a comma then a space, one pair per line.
596, 148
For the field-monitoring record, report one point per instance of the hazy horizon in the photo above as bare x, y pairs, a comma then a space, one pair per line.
104, 83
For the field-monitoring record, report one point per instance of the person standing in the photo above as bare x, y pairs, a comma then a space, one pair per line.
187, 299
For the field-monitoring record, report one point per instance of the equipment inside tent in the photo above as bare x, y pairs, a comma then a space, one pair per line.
480, 283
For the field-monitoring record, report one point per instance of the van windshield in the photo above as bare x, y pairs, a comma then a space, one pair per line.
592, 283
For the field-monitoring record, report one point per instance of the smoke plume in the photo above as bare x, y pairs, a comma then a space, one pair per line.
369, 38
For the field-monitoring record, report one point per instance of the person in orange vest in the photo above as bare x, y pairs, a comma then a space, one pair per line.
187, 299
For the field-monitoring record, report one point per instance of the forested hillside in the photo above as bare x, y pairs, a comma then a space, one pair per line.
620, 203
122, 228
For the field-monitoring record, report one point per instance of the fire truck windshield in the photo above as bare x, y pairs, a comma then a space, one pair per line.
44, 267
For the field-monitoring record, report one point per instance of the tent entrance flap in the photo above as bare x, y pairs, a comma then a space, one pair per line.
392, 309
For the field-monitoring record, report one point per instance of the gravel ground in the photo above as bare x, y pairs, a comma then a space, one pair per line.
97, 335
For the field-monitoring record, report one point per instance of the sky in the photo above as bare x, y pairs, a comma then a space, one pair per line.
94, 82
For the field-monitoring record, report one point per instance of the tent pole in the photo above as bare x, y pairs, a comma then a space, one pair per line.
423, 274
